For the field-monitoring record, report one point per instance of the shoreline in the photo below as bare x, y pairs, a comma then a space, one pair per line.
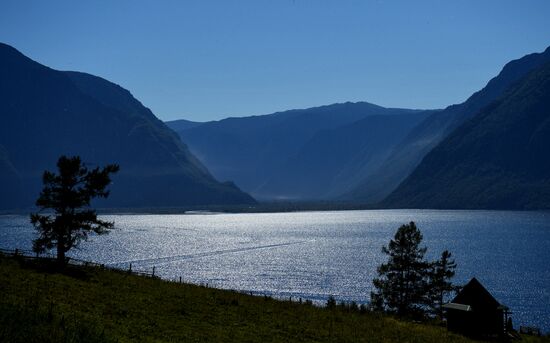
272, 207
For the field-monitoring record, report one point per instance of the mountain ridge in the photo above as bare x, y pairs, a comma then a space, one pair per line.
251, 150
410, 152
48, 113
345, 154
286, 174
497, 159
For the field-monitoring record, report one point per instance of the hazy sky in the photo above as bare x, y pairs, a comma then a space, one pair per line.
204, 60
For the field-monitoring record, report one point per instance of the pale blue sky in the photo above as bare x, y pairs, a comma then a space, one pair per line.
204, 60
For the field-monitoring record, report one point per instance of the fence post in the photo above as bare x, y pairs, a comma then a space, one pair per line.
180, 279
153, 271
130, 270
16, 252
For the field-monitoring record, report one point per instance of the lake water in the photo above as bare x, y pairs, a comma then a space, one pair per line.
316, 254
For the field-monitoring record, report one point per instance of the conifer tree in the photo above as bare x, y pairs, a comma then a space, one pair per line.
407, 284
69, 194
402, 282
440, 285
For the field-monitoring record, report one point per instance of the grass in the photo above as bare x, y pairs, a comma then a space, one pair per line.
40, 304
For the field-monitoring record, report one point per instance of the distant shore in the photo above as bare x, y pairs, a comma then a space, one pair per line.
263, 207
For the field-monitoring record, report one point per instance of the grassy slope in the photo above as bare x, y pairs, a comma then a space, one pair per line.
95, 305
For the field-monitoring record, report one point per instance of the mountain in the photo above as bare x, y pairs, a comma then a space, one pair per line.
9, 179
47, 113
256, 151
422, 139
182, 124
333, 161
499, 159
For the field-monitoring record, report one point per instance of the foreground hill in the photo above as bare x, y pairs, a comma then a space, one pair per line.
94, 305
499, 159
47, 113
259, 152
423, 138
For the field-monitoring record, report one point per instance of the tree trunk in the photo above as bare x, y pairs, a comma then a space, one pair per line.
61, 253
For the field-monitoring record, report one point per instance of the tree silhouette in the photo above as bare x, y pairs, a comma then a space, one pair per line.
440, 285
408, 285
402, 283
69, 194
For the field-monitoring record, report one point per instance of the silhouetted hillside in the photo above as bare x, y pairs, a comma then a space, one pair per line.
499, 159
47, 113
252, 151
182, 124
433, 129
334, 161
9, 180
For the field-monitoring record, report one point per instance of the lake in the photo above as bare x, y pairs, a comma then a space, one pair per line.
316, 254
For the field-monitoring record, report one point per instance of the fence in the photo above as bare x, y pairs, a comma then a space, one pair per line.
31, 255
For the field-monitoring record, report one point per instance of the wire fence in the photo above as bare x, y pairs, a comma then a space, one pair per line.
48, 257
128, 268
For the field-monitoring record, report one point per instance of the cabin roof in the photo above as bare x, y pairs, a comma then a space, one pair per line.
460, 307
476, 296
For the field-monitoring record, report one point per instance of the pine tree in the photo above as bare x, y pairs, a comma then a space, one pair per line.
402, 282
69, 195
440, 285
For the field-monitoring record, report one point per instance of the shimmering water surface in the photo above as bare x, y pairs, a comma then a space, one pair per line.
316, 254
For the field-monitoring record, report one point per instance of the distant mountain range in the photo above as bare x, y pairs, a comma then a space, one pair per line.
336, 160
491, 151
182, 124
299, 154
46, 113
355, 152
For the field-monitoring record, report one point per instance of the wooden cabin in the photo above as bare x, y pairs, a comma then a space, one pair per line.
475, 312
